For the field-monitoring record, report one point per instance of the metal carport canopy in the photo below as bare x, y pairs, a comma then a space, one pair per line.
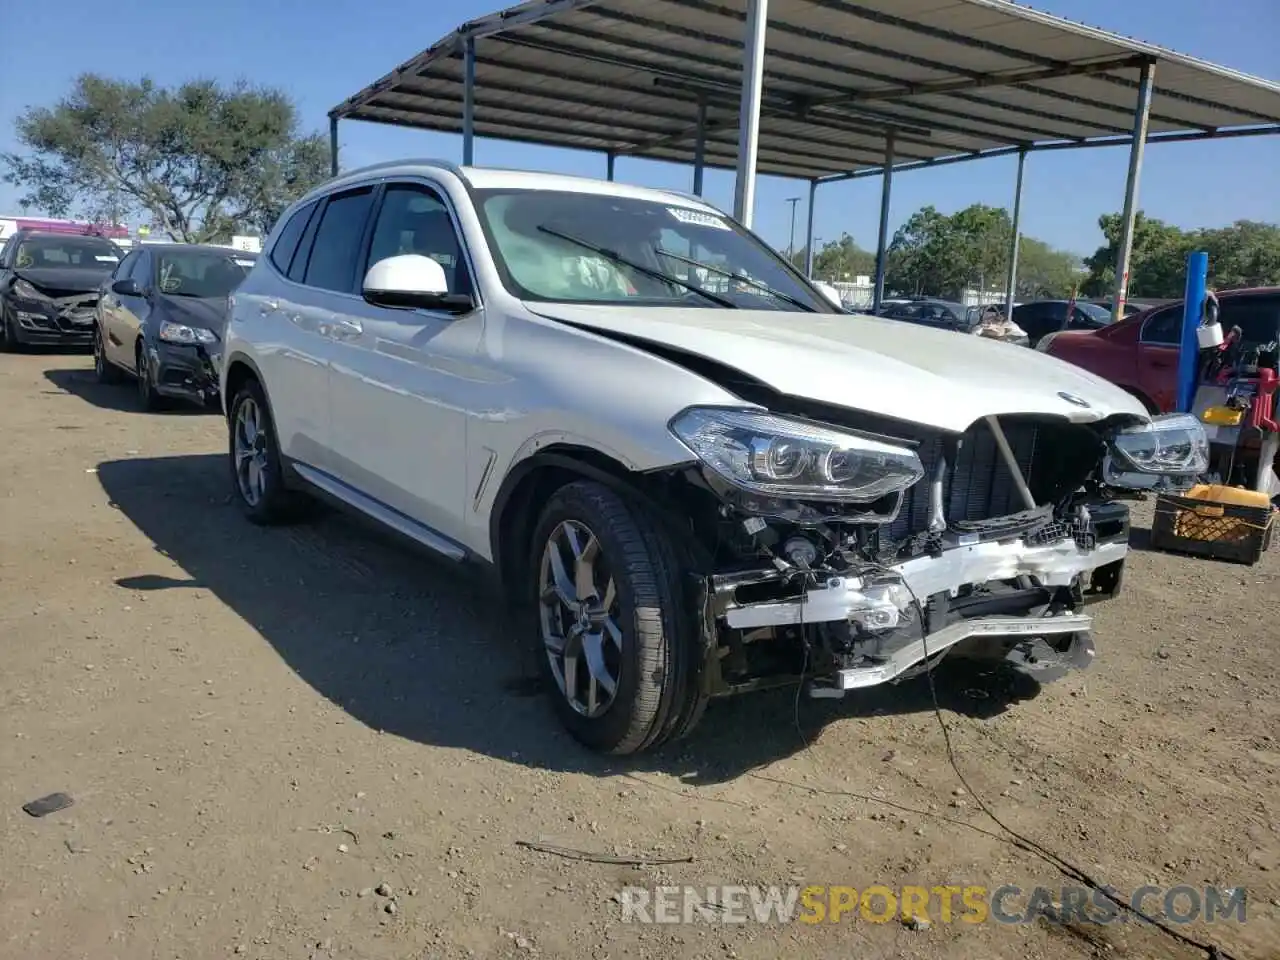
821, 90
955, 79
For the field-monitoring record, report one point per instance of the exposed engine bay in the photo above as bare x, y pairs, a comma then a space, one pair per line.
992, 553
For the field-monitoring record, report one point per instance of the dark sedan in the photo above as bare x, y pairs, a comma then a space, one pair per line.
161, 319
1042, 317
49, 287
932, 313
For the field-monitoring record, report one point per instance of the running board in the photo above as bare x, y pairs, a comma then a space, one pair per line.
376, 510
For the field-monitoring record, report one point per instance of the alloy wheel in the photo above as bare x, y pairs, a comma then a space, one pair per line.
250, 447
578, 609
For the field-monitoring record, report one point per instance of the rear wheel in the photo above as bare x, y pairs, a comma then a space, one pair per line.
257, 472
617, 643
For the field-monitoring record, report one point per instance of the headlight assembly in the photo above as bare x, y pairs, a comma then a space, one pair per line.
778, 456
23, 289
1174, 443
181, 333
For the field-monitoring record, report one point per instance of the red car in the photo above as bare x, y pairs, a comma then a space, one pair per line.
1140, 353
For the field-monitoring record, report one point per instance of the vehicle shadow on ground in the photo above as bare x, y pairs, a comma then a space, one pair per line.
418, 649
122, 396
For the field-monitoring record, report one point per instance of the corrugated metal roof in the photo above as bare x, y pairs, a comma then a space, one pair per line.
956, 79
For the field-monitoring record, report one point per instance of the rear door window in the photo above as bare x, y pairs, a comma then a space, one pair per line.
336, 249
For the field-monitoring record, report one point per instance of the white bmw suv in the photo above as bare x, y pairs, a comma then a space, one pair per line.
689, 471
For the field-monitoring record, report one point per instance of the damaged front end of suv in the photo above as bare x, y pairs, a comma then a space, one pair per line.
854, 550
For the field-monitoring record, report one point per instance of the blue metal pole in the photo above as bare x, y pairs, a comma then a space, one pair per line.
1192, 311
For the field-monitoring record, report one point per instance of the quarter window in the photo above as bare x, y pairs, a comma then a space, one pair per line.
284, 248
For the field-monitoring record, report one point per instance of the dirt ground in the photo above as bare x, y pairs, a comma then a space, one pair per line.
261, 726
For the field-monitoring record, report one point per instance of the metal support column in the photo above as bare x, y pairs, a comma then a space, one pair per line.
882, 241
469, 101
744, 194
1011, 288
610, 162
1141, 118
808, 233
700, 147
333, 146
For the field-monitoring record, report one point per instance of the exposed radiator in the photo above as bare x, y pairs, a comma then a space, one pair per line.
979, 488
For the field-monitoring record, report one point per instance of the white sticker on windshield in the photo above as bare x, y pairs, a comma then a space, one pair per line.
106, 258
698, 218
243, 263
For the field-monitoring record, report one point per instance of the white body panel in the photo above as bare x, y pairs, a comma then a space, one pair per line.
424, 414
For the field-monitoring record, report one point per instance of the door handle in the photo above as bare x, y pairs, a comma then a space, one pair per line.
269, 306
345, 329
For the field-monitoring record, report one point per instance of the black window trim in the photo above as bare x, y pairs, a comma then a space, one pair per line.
307, 241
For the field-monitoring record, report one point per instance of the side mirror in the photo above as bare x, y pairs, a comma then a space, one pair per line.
830, 292
412, 281
127, 288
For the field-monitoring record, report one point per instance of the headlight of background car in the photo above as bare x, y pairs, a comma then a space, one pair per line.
1174, 443
23, 289
181, 333
782, 457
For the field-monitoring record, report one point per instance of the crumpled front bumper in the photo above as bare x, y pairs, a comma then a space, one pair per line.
899, 601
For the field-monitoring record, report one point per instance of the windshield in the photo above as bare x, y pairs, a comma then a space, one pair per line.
90, 253
597, 248
200, 273
1094, 312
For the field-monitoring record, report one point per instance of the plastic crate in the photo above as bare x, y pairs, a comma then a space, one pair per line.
1212, 528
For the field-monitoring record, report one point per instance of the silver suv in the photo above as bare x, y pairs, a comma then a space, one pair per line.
687, 469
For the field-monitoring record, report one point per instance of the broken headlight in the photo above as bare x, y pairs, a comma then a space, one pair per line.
1174, 443
780, 456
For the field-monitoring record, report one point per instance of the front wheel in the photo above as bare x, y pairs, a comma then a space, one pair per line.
103, 369
618, 647
149, 398
9, 342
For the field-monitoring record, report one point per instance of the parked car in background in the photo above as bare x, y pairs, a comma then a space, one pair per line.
161, 317
1140, 353
684, 492
1131, 307
942, 314
1040, 317
49, 287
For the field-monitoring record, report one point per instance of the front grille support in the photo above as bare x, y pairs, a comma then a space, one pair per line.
1011, 462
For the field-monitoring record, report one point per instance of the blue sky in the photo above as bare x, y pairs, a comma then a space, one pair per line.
324, 50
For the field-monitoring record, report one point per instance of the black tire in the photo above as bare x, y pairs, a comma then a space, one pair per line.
8, 337
656, 695
148, 399
277, 504
106, 371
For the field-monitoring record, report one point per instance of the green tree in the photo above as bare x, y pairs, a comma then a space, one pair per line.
1245, 254
839, 259
200, 160
1044, 272
1157, 266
